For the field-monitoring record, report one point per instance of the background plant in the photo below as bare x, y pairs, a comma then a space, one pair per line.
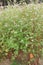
21, 28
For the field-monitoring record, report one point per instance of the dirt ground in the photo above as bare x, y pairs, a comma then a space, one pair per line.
7, 62
41, 61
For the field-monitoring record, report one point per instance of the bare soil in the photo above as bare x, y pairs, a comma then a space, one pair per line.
41, 61
8, 62
5, 62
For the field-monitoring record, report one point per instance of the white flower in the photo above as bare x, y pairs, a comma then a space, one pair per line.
6, 25
32, 40
12, 31
42, 16
36, 13
32, 19
15, 32
22, 40
27, 35
20, 30
26, 45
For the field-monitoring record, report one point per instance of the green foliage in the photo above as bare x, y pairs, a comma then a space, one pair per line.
21, 28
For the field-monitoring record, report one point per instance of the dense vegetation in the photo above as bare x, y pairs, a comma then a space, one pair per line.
21, 29
12, 2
